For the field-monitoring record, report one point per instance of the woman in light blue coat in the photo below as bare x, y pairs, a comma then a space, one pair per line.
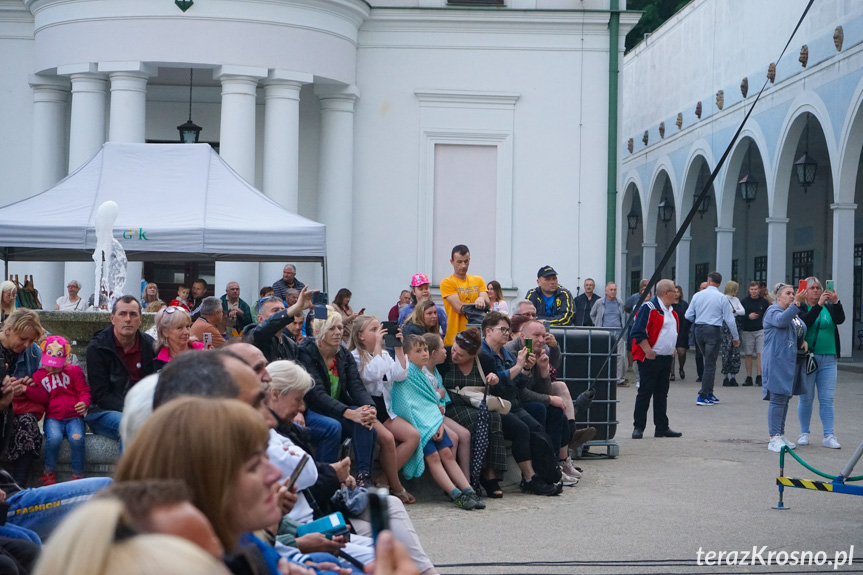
784, 334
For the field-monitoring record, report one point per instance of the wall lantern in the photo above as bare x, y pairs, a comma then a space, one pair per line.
806, 166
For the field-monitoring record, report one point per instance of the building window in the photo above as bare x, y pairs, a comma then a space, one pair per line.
701, 271
801, 265
735, 277
858, 283
760, 269
634, 282
674, 273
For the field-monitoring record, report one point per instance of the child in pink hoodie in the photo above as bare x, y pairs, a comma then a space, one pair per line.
64, 390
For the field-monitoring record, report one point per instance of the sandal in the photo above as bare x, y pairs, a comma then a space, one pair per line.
403, 496
492, 487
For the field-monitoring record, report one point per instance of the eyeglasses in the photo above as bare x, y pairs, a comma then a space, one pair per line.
171, 309
503, 329
464, 343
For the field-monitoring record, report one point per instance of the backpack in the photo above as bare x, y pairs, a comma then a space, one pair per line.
544, 457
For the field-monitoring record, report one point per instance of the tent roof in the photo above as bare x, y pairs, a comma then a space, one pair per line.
176, 201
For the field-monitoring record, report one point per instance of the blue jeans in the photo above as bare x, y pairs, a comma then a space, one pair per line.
364, 440
326, 434
43, 508
776, 413
105, 423
823, 378
73, 429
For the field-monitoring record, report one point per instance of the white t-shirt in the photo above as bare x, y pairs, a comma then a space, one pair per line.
66, 305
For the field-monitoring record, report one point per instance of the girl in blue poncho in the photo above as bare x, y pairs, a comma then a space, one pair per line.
416, 402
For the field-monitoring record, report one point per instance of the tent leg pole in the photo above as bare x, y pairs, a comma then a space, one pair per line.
324, 266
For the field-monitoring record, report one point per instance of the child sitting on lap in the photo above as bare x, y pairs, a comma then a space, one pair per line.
63, 388
415, 401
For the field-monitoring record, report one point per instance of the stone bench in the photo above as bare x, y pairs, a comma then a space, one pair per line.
100, 460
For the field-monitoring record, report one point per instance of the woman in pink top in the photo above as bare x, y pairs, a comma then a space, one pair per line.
173, 335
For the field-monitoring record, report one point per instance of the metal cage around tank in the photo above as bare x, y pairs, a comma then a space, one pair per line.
586, 363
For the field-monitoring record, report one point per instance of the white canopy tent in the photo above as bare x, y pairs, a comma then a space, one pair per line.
176, 202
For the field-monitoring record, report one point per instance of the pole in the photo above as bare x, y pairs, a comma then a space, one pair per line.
613, 75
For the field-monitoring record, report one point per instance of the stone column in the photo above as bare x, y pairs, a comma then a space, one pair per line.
648, 260
237, 148
87, 122
50, 96
336, 179
724, 242
777, 231
237, 136
843, 268
128, 100
682, 264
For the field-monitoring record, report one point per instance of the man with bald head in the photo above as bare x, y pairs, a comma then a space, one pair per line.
654, 337
608, 312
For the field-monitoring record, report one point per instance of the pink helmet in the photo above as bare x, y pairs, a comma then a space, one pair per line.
419, 279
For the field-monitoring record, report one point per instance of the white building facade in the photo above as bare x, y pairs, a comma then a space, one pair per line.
405, 126
686, 89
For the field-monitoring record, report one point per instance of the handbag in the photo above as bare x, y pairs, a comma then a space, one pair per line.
476, 393
811, 362
473, 314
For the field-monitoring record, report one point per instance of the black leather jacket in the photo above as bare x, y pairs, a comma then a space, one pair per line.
353, 392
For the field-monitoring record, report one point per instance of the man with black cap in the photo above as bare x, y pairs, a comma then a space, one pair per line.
552, 302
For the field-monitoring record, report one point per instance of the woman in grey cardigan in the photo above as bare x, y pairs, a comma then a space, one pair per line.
784, 333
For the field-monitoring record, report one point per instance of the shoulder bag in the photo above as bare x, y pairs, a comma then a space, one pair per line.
811, 362
475, 394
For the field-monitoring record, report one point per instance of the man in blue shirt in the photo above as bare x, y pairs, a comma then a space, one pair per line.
608, 312
707, 310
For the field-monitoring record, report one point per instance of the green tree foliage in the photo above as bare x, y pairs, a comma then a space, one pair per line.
656, 12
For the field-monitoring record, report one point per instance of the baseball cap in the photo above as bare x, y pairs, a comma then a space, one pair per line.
546, 271
419, 279
55, 350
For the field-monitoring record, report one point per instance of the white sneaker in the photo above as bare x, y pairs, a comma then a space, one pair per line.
776, 444
569, 469
830, 442
568, 480
803, 439
789, 444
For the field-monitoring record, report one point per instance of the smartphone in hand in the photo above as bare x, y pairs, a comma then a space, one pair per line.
390, 339
379, 515
297, 471
829, 285
345, 449
801, 286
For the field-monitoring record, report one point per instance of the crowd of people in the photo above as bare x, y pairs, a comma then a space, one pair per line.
245, 398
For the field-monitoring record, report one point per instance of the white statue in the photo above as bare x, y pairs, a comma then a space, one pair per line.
109, 257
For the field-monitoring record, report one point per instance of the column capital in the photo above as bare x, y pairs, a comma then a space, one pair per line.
288, 77
335, 97
782, 221
649, 245
724, 230
686, 239
38, 82
139, 69
89, 82
230, 70
843, 206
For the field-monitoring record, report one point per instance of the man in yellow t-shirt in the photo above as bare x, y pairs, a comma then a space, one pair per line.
460, 289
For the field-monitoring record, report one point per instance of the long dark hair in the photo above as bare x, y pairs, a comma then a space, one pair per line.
341, 295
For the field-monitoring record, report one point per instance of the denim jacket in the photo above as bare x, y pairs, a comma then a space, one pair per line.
508, 388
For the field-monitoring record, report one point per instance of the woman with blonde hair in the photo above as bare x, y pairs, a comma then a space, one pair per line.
95, 539
8, 293
730, 353
173, 336
150, 295
339, 392
225, 442
378, 370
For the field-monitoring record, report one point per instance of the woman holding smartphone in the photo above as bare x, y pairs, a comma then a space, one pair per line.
821, 312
